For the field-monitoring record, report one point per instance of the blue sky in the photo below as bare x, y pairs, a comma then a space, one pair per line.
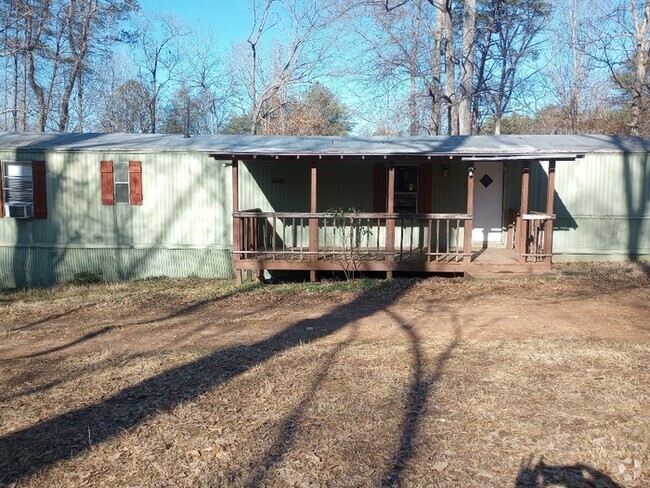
229, 18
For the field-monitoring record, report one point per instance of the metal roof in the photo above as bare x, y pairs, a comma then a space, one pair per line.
247, 146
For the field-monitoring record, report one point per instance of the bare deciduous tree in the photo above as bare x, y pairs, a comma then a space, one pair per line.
623, 34
510, 37
276, 64
159, 57
127, 109
579, 89
50, 44
399, 49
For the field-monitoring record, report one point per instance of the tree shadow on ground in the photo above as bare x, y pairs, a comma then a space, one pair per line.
32, 449
62, 347
288, 430
419, 392
52, 317
185, 311
201, 304
49, 370
542, 475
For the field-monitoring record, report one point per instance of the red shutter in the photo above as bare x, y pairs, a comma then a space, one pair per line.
40, 193
106, 168
2, 207
379, 188
425, 189
135, 182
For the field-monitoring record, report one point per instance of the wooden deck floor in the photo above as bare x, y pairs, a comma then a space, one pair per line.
485, 263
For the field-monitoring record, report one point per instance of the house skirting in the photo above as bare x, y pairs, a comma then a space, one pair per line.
26, 267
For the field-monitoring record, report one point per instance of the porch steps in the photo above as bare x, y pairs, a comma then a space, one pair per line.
496, 272
500, 263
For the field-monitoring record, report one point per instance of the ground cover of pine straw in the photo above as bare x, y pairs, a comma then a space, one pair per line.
436, 382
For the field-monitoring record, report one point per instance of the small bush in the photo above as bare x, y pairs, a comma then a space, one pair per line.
85, 278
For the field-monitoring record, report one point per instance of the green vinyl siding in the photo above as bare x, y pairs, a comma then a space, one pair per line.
284, 186
450, 194
186, 208
186, 203
345, 184
603, 207
281, 186
602, 204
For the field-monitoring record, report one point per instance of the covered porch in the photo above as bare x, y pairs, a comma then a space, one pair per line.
402, 232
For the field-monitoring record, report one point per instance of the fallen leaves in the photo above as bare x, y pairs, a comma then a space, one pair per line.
334, 411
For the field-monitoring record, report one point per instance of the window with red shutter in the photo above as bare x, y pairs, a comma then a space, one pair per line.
40, 189
135, 182
121, 182
106, 169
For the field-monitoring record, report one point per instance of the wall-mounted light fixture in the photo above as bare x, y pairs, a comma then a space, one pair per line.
445, 171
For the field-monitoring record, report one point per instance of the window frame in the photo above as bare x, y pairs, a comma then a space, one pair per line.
116, 183
6, 187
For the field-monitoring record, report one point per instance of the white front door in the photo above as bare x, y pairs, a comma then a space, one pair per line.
488, 203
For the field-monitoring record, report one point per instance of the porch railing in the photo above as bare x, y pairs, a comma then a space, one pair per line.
535, 231
359, 236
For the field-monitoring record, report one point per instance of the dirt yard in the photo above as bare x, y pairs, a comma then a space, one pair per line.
529, 382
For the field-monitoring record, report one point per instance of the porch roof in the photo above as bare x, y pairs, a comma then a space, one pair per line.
459, 148
249, 147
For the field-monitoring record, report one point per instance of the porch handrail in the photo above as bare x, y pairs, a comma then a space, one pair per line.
422, 237
538, 216
360, 215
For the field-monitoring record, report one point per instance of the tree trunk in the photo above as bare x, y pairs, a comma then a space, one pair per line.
80, 103
450, 78
467, 75
15, 100
435, 88
497, 125
413, 126
38, 92
640, 64
255, 108
414, 72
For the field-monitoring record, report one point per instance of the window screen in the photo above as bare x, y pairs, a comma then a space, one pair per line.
121, 174
17, 182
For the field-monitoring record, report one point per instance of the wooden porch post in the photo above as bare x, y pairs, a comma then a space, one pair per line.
522, 229
313, 223
469, 224
390, 222
548, 226
236, 222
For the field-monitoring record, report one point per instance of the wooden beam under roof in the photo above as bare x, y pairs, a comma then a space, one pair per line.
458, 157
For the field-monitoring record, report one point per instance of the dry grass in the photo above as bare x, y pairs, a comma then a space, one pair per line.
524, 382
